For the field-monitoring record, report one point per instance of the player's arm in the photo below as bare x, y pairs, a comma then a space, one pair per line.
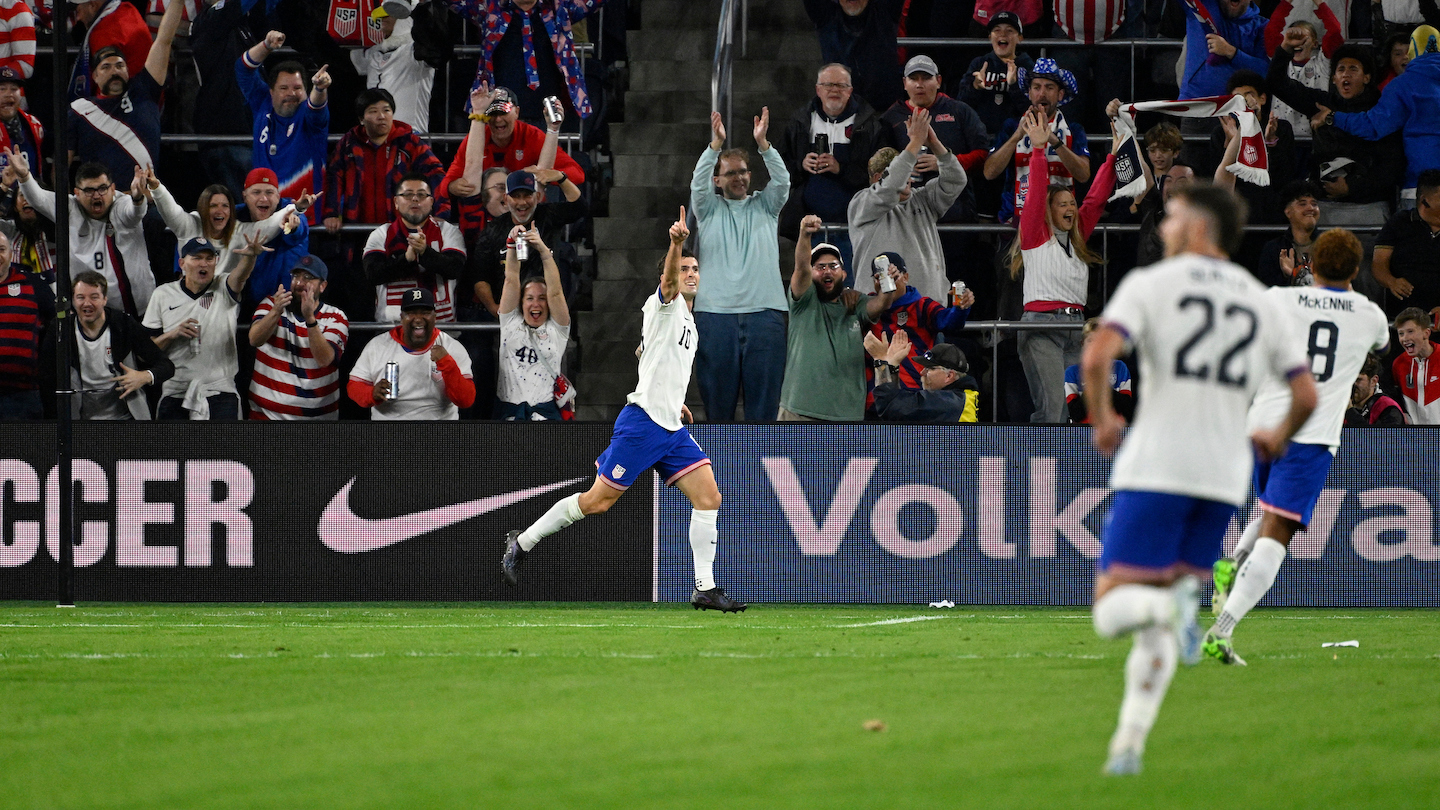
1105, 347
800, 279
670, 277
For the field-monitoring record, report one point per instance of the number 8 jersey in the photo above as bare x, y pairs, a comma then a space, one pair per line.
1208, 337
668, 341
1337, 328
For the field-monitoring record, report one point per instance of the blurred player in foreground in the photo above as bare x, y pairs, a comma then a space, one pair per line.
1339, 328
649, 433
1207, 338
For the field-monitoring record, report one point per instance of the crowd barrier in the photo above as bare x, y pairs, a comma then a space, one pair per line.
812, 513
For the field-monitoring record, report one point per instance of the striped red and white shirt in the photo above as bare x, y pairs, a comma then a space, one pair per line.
155, 9
288, 383
1089, 21
17, 37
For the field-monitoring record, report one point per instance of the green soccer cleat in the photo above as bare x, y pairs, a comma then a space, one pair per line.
1222, 650
1224, 575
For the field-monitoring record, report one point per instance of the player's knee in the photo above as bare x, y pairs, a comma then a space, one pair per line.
591, 504
706, 500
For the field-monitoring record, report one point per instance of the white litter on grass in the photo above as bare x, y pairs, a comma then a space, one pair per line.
905, 620
943, 603
1350, 643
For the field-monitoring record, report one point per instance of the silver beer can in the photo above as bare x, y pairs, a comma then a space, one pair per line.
554, 111
392, 376
522, 249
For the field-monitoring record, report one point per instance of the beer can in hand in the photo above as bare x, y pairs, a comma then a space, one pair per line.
957, 291
554, 111
822, 144
392, 376
522, 249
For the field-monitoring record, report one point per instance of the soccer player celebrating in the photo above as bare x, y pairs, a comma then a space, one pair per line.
1207, 338
1340, 327
649, 433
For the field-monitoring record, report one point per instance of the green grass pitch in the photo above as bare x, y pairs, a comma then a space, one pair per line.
638, 706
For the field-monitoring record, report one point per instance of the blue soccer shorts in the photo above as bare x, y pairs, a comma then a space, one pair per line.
1156, 532
1290, 485
637, 444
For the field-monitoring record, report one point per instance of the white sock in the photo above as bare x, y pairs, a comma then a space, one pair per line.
1246, 543
703, 537
1148, 670
1252, 582
1127, 608
565, 512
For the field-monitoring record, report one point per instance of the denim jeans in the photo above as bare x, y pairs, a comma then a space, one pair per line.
735, 350
223, 408
1045, 355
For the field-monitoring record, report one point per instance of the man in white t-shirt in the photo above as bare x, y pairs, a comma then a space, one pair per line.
534, 328
433, 369
1339, 328
650, 433
1207, 338
196, 319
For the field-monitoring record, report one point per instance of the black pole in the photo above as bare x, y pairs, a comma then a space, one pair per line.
64, 322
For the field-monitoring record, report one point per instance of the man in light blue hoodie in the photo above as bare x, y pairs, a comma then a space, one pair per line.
740, 311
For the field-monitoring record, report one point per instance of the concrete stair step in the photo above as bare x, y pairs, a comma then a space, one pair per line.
637, 232
606, 388
786, 44
657, 138
623, 265
759, 76
706, 15
648, 201
670, 107
622, 325
627, 294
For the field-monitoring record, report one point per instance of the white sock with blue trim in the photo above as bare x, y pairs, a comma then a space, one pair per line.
703, 539
565, 512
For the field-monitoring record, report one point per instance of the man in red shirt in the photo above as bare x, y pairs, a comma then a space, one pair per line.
503, 140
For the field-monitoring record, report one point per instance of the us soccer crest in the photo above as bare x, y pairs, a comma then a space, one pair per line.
15, 289
345, 19
519, 154
903, 318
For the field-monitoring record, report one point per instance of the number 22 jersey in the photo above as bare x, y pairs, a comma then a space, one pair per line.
1208, 337
667, 353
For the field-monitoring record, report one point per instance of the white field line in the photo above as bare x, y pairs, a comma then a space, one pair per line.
905, 620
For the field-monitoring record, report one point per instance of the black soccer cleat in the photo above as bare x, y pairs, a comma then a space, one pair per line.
715, 599
514, 555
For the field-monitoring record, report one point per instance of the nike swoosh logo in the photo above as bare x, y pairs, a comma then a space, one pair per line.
344, 531
177, 306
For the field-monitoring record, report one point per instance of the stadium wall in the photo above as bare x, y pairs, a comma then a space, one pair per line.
813, 513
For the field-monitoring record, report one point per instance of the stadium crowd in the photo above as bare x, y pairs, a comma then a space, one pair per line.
247, 301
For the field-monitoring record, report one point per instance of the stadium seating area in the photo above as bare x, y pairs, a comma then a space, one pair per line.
626, 85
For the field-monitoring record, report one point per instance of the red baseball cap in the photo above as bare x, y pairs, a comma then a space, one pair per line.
258, 176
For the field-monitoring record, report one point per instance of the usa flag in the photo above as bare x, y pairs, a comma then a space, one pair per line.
1089, 21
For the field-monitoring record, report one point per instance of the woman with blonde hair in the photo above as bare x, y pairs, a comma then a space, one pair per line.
1052, 252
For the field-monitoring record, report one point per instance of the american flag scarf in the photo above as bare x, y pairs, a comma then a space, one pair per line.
1253, 164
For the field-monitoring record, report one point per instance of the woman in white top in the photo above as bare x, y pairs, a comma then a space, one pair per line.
1051, 250
534, 329
213, 220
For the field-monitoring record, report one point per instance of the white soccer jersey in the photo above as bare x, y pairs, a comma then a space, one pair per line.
1207, 337
421, 387
209, 358
667, 355
529, 359
1338, 328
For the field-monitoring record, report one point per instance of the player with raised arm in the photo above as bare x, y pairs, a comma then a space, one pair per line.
1339, 328
650, 433
1207, 338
